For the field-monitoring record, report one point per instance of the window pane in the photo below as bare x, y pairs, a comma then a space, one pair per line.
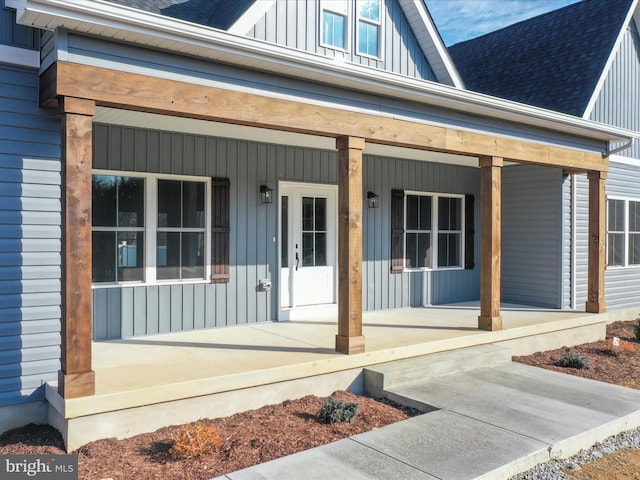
634, 216
321, 249
307, 214
284, 233
368, 39
130, 202
193, 204
104, 257
369, 9
130, 256
424, 250
449, 249
192, 255
169, 203
333, 29
615, 248
616, 215
449, 213
425, 213
103, 200
308, 256
321, 214
168, 255
411, 249
634, 249
412, 212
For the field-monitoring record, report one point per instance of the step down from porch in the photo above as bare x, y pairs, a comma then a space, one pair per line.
380, 379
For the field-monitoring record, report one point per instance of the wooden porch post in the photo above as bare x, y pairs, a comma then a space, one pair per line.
76, 379
597, 234
490, 251
349, 339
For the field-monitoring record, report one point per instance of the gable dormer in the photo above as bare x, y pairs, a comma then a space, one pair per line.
395, 36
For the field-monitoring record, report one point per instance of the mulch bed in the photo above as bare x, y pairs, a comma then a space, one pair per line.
250, 437
621, 367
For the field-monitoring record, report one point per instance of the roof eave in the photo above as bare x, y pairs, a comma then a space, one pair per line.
117, 21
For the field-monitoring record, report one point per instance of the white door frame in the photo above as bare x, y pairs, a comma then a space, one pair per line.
301, 312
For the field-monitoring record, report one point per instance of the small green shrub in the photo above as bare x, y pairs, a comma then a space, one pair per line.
573, 360
636, 330
335, 410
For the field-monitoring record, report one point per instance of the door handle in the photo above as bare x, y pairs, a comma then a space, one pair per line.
297, 260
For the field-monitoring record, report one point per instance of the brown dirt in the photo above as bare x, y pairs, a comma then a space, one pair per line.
621, 368
273, 431
251, 437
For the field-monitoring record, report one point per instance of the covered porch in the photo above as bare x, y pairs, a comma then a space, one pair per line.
143, 383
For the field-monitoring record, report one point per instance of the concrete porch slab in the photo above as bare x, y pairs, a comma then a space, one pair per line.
218, 372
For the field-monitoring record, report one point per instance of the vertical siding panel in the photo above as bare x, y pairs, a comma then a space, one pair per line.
114, 313
199, 305
211, 306
231, 316
153, 154
127, 151
140, 152
187, 307
139, 311
100, 314
153, 316
175, 294
126, 312
115, 148
164, 308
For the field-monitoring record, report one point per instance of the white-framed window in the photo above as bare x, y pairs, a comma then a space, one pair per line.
369, 27
434, 235
149, 228
334, 18
623, 232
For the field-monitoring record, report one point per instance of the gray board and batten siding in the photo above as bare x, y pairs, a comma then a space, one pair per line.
120, 56
618, 102
30, 219
402, 54
125, 311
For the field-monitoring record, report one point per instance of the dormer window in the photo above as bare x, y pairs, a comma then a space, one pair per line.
369, 27
339, 18
335, 14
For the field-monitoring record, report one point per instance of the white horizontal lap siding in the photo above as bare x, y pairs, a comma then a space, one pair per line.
532, 235
30, 239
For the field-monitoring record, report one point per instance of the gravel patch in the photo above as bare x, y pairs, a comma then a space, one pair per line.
554, 469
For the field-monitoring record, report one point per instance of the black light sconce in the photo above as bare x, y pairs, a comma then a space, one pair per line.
372, 200
266, 193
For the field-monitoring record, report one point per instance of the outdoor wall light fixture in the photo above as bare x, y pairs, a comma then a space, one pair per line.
266, 193
372, 199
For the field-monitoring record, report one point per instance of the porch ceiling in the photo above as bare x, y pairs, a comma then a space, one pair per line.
130, 118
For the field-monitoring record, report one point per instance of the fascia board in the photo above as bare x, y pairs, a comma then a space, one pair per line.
632, 13
251, 17
117, 21
422, 24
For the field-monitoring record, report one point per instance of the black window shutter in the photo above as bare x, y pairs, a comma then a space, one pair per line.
220, 230
397, 231
469, 232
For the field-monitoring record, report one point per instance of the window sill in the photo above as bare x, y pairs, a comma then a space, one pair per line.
99, 286
622, 267
441, 269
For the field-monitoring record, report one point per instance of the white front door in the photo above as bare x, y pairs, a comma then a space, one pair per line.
307, 244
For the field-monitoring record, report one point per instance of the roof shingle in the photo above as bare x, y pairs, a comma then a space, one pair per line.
552, 61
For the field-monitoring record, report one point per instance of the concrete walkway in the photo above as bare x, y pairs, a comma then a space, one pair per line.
488, 423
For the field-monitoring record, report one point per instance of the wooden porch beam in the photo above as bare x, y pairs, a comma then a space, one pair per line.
349, 338
158, 95
76, 378
597, 250
490, 248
